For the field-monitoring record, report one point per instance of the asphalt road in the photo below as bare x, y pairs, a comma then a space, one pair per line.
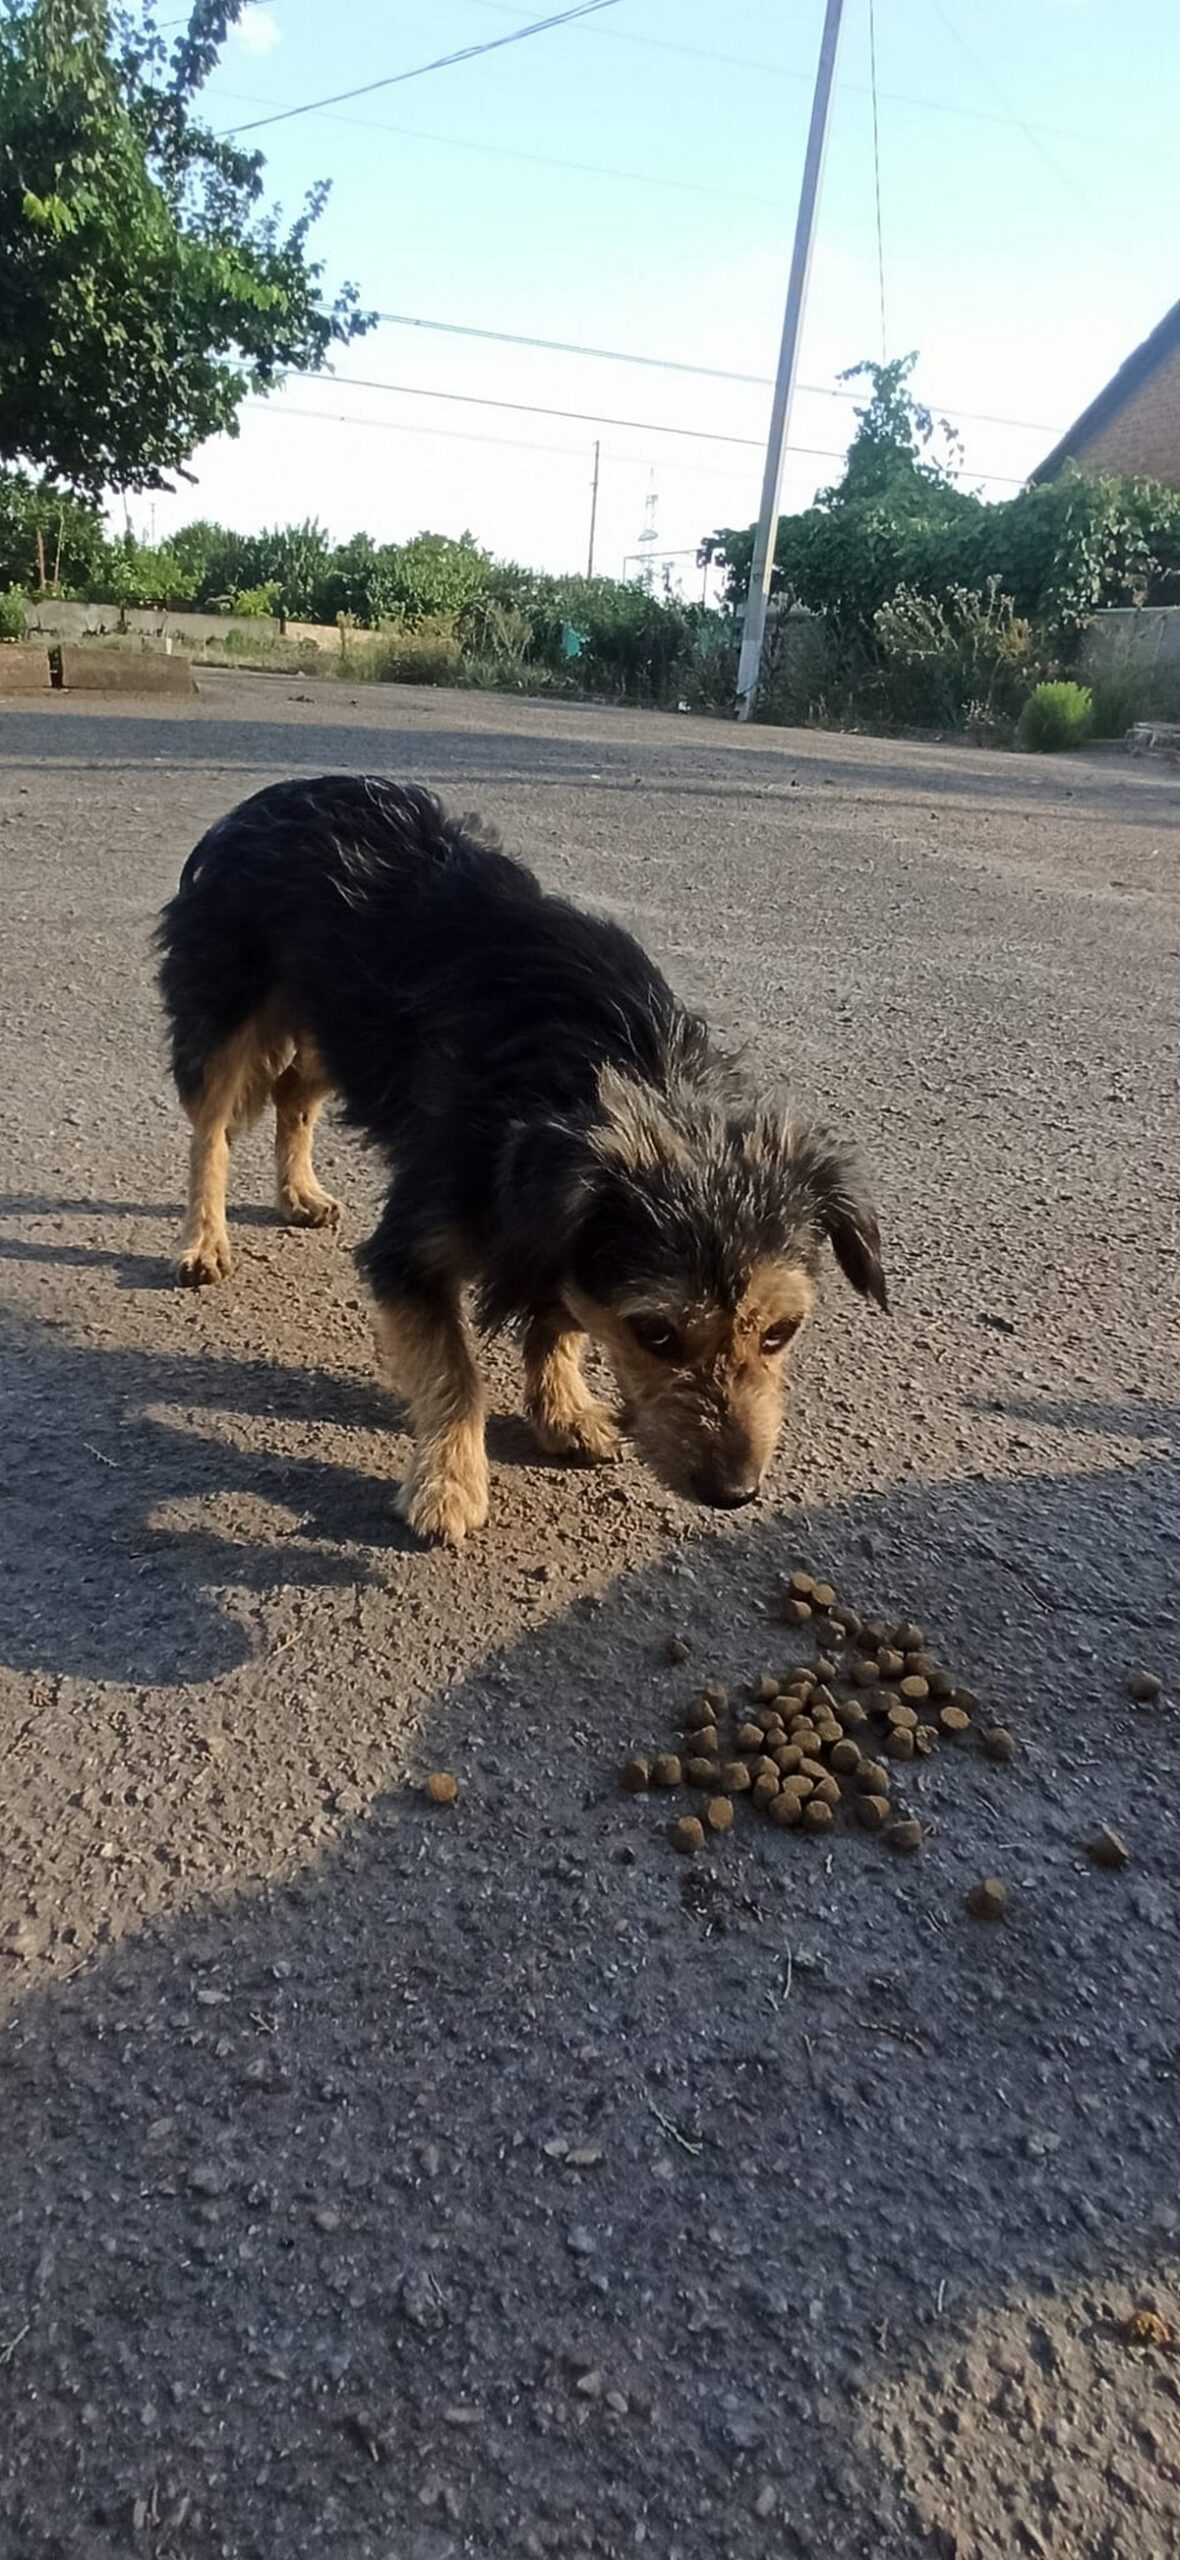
396, 2184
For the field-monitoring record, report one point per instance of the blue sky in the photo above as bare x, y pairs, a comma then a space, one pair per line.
630, 183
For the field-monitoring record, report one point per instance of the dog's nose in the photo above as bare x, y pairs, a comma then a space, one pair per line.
726, 1497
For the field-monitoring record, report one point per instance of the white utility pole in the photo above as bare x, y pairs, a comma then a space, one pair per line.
593, 508
762, 564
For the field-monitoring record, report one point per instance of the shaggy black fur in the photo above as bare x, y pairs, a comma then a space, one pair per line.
546, 1103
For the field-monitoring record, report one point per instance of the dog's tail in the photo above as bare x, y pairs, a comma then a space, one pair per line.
213, 961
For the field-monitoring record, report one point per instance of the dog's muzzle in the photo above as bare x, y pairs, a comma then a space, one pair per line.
724, 1495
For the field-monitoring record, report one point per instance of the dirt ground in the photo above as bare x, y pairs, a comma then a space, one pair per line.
395, 2184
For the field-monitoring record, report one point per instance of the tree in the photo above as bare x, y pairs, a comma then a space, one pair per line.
895, 439
877, 527
48, 539
143, 290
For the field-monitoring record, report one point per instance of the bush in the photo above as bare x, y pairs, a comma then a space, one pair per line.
431, 577
1122, 694
425, 652
255, 603
13, 611
1055, 716
710, 679
961, 661
135, 574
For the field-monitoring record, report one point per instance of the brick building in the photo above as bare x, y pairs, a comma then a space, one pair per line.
1134, 425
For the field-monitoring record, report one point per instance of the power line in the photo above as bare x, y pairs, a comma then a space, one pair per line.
786, 71
532, 159
1031, 136
441, 62
677, 364
406, 427
598, 418
521, 444
542, 409
570, 347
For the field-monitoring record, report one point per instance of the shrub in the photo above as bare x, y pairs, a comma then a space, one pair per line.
710, 679
13, 609
1122, 694
257, 602
1055, 716
431, 577
960, 661
425, 652
136, 574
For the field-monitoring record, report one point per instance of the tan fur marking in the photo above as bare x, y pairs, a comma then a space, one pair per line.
708, 1419
428, 1350
237, 1080
298, 1098
637, 1131
567, 1419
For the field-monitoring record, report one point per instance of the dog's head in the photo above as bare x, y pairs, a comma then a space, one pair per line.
692, 1232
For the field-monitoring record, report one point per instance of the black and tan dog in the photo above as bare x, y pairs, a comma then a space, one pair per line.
562, 1134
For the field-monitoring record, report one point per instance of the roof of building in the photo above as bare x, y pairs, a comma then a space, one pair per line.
1130, 378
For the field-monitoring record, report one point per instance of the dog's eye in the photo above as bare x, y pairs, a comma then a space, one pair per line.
778, 1337
652, 1334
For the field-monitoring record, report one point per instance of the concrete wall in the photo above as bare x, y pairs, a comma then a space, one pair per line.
58, 621
24, 668
1143, 641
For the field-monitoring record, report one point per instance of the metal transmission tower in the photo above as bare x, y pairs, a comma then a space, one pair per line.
649, 537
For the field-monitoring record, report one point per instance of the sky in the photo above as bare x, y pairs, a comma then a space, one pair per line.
630, 184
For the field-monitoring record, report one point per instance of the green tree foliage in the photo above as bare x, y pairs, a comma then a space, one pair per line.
49, 541
144, 292
1059, 550
137, 575
896, 441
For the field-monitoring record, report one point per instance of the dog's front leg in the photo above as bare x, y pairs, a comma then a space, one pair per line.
567, 1419
428, 1348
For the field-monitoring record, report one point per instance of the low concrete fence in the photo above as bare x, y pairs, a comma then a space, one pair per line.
24, 668
90, 666
194, 632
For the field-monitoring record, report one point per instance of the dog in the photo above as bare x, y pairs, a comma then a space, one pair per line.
562, 1134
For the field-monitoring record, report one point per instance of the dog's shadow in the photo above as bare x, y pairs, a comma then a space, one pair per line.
144, 1481
131, 1268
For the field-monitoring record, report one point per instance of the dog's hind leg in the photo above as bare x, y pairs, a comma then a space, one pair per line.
567, 1419
233, 1088
298, 1096
427, 1346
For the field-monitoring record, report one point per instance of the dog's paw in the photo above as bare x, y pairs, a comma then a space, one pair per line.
203, 1264
589, 1433
444, 1507
308, 1208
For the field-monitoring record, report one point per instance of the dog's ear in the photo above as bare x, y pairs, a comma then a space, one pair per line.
844, 1207
635, 1132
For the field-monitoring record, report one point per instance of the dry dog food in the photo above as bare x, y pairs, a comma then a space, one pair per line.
905, 1835
998, 1743
824, 1742
987, 1900
1107, 1849
441, 1787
